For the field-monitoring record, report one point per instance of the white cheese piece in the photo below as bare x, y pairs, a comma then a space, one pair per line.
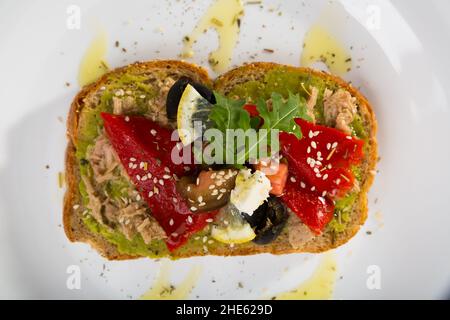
251, 191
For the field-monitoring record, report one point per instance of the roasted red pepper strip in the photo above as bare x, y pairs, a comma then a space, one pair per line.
314, 210
319, 164
322, 158
145, 149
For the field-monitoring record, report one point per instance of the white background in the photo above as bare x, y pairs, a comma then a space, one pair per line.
405, 47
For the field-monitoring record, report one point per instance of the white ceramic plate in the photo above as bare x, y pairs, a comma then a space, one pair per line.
405, 47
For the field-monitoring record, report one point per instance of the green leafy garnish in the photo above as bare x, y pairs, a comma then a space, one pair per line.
228, 115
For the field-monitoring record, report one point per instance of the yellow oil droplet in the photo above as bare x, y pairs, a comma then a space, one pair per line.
223, 16
320, 45
93, 64
319, 286
162, 289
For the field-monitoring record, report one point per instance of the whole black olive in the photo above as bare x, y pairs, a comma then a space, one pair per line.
268, 220
176, 91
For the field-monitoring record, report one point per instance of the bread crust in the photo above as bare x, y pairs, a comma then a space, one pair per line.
76, 230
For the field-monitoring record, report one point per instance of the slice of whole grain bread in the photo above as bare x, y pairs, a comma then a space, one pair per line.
77, 231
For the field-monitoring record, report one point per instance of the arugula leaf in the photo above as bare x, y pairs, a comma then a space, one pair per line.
279, 116
229, 114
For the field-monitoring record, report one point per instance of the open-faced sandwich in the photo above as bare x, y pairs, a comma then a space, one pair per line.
144, 180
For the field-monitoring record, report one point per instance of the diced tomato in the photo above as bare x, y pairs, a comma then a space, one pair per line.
277, 178
145, 149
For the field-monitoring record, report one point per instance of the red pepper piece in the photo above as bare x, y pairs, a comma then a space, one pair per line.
322, 158
145, 149
314, 210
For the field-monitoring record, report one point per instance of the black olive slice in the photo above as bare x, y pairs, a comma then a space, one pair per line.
268, 220
176, 91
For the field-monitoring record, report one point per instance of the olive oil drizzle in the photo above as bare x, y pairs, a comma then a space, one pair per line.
162, 289
319, 286
320, 45
224, 17
93, 64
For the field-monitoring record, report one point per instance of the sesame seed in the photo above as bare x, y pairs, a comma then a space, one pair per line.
189, 219
138, 197
348, 137
138, 177
324, 194
338, 181
293, 179
331, 153
197, 182
161, 182
220, 196
127, 118
144, 178
193, 208
303, 185
226, 222
328, 146
314, 144
209, 220
334, 145
211, 187
219, 183
200, 199
308, 150
223, 190
174, 200
142, 96
75, 207
171, 222
310, 134
213, 175
321, 199
316, 133
188, 188
221, 173
166, 169
130, 165
174, 234
210, 241
205, 249
186, 168
215, 192
132, 159
150, 194
153, 132
166, 176
202, 204
155, 180
313, 188
325, 176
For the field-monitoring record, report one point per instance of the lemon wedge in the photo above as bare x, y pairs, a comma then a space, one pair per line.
231, 227
233, 234
192, 115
